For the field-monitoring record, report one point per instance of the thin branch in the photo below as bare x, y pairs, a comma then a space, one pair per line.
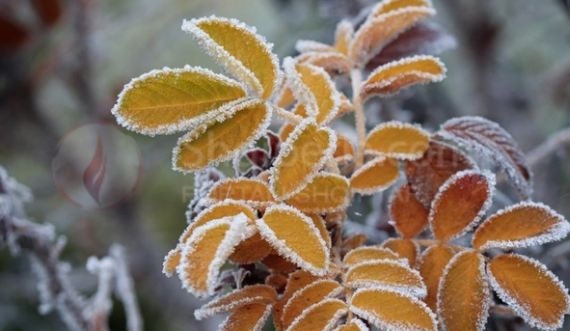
287, 115
356, 77
124, 289
553, 144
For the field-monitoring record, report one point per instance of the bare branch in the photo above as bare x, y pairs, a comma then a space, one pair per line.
553, 144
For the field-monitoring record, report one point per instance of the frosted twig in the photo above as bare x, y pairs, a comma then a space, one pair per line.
550, 146
124, 289
287, 115
101, 304
356, 77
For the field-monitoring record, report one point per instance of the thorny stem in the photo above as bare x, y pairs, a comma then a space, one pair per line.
287, 115
356, 78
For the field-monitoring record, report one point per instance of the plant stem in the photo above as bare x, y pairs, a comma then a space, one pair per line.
287, 115
356, 78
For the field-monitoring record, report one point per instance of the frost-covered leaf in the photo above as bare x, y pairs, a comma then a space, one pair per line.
288, 128
375, 176
278, 263
354, 325
302, 155
343, 36
255, 294
488, 138
247, 318
405, 248
386, 274
295, 237
276, 281
383, 27
207, 250
439, 162
320, 316
326, 193
251, 191
284, 96
333, 63
304, 46
344, 149
171, 100
521, 225
222, 138
397, 140
392, 311
258, 157
387, 6
464, 296
319, 223
394, 76
313, 87
240, 50
528, 287
251, 250
409, 216
431, 266
460, 203
368, 253
308, 296
353, 242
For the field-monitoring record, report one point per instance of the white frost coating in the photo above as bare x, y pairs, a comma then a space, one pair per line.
299, 89
283, 249
191, 136
287, 148
414, 276
380, 6
361, 325
228, 61
334, 293
418, 250
176, 250
362, 56
237, 232
249, 203
378, 322
348, 255
557, 232
214, 308
490, 177
330, 325
482, 318
373, 189
258, 326
399, 126
304, 46
520, 309
184, 124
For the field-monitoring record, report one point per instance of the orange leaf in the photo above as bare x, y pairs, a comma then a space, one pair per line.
386, 274
460, 204
255, 294
397, 140
170, 100
284, 97
276, 281
333, 63
221, 139
530, 289
388, 6
378, 31
321, 316
302, 155
250, 191
240, 50
369, 253
287, 128
295, 237
463, 298
344, 150
392, 311
521, 225
251, 250
375, 176
431, 266
319, 223
343, 36
353, 242
354, 325
326, 193
405, 249
409, 216
278, 263
207, 250
247, 318
308, 296
394, 76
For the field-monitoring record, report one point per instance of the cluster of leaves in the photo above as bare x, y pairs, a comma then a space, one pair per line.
284, 215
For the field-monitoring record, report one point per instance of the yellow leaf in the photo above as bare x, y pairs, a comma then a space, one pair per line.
397, 140
247, 318
368, 253
288, 128
343, 36
322, 227
387, 274
308, 296
221, 139
284, 97
254, 294
172, 260
354, 325
460, 203
392, 311
253, 192
302, 155
530, 289
521, 225
321, 316
432, 264
405, 249
344, 150
295, 237
240, 50
333, 63
394, 76
353, 242
170, 100
409, 216
388, 6
326, 193
251, 250
463, 298
277, 263
375, 176
207, 250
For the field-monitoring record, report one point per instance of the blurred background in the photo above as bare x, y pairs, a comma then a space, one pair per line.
63, 63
